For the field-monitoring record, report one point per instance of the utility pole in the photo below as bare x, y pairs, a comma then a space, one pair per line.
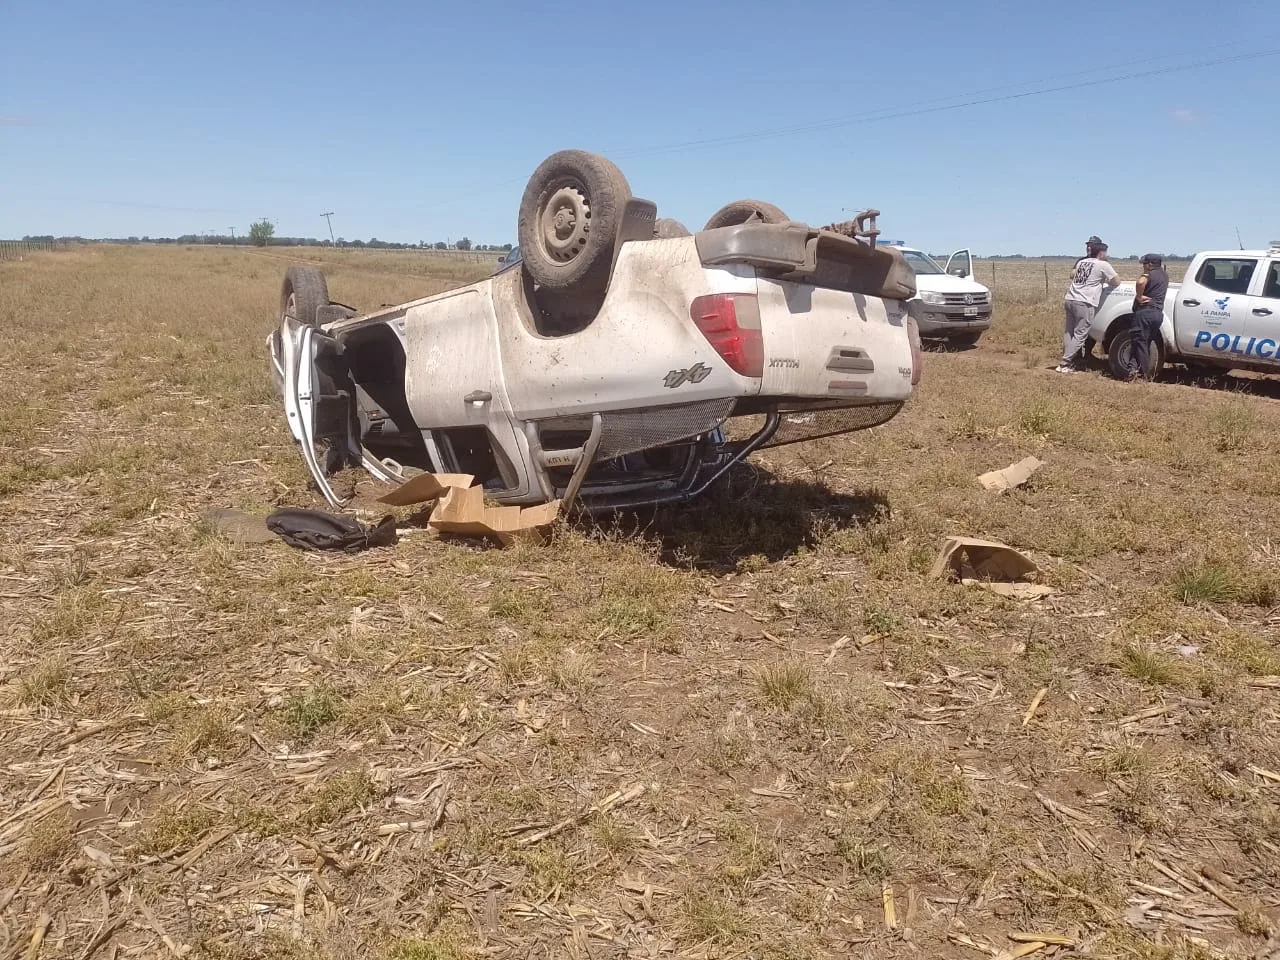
330, 223
233, 235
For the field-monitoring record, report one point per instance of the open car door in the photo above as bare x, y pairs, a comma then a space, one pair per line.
319, 403
960, 264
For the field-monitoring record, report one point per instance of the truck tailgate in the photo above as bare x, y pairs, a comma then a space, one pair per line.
832, 344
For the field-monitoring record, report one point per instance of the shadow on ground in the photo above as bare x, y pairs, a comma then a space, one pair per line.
1204, 379
947, 346
1259, 386
752, 513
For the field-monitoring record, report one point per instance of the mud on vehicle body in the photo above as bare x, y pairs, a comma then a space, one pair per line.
607, 362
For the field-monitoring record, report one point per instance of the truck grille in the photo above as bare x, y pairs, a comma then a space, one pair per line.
629, 431
966, 299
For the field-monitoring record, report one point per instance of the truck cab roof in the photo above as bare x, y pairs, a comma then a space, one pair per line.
1272, 251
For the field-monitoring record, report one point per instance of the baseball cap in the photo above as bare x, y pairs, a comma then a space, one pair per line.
1151, 258
1095, 241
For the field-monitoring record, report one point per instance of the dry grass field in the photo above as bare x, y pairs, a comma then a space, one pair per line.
743, 729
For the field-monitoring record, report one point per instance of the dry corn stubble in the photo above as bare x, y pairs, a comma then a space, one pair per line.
424, 751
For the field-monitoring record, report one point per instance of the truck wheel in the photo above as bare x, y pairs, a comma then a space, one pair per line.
743, 211
1120, 354
966, 340
302, 294
665, 229
569, 218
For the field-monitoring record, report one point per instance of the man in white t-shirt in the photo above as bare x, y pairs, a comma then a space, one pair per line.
1083, 295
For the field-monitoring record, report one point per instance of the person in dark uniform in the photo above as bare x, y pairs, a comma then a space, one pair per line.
1148, 313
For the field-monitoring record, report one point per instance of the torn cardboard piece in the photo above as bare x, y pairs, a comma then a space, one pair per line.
992, 566
463, 512
1012, 476
425, 487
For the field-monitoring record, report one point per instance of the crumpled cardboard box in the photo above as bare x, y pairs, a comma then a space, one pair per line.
425, 487
991, 566
463, 512
460, 509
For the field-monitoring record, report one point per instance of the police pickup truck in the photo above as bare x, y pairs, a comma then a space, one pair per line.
1225, 315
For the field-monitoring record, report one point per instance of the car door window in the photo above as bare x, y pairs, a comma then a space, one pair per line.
1227, 274
960, 264
1271, 289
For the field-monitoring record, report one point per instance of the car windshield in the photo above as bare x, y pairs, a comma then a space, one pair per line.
922, 264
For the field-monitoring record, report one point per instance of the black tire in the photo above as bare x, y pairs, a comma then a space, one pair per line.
569, 219
741, 211
966, 340
1120, 350
665, 229
302, 294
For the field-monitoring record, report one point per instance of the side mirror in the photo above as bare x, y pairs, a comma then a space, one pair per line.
957, 271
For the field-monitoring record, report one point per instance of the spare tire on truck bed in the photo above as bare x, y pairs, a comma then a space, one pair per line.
569, 220
742, 211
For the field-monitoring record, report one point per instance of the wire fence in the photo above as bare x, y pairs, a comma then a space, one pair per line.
466, 256
1043, 279
17, 249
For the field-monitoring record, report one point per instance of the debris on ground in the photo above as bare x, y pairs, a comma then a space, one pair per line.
1015, 475
991, 566
463, 512
460, 509
457, 506
316, 530
425, 487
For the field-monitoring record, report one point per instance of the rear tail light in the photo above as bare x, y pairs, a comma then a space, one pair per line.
917, 355
731, 324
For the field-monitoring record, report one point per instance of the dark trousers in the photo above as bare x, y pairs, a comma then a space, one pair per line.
1146, 327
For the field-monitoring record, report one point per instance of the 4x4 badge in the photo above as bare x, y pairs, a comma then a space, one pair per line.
695, 374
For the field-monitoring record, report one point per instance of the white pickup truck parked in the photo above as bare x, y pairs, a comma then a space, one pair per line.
1225, 315
949, 305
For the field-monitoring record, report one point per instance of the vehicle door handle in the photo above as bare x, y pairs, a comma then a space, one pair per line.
478, 396
1191, 303
1261, 312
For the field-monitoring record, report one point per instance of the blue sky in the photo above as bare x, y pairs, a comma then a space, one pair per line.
421, 121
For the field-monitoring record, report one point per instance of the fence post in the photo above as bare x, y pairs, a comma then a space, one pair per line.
1046, 279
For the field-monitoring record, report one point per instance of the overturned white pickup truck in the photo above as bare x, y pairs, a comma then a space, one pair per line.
606, 368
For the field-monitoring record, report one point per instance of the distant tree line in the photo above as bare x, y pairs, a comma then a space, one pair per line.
372, 243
